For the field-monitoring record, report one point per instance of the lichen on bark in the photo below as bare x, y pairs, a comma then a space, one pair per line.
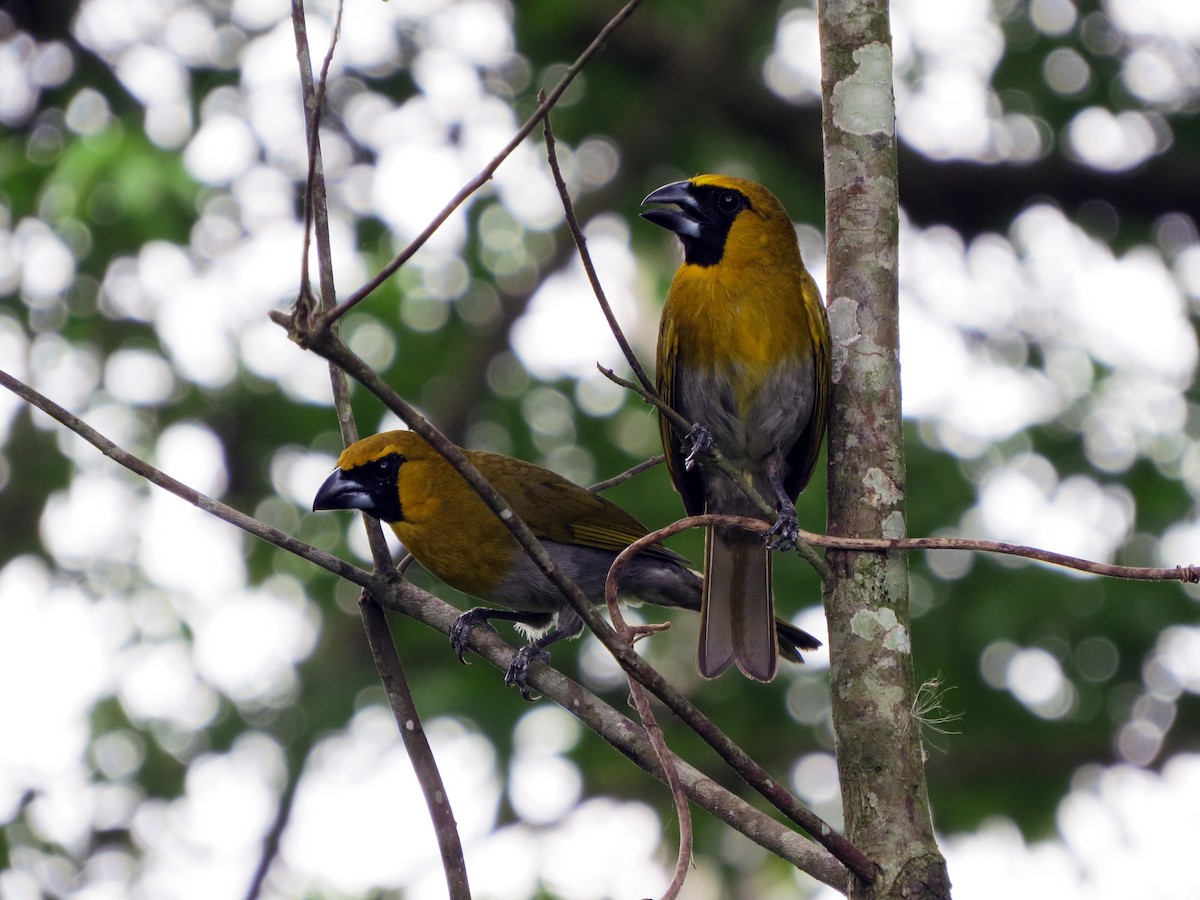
880, 758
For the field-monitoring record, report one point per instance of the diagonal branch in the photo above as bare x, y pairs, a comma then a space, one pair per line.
489, 170
753, 773
333, 349
199, 500
586, 257
398, 595
627, 474
379, 638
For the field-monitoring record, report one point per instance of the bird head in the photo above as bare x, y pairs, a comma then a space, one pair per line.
367, 475
722, 219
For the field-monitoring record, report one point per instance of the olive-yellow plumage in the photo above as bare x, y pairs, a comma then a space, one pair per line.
400, 479
744, 353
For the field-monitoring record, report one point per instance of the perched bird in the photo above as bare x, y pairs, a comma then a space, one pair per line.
400, 479
743, 352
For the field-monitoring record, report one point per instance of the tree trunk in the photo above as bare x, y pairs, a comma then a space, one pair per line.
880, 759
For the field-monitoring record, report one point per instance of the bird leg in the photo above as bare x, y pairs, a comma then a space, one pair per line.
701, 441
518, 671
460, 628
567, 625
786, 530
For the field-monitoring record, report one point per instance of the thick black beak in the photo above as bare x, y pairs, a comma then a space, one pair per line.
686, 220
341, 491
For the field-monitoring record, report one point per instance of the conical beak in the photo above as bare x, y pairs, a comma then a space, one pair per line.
341, 491
684, 221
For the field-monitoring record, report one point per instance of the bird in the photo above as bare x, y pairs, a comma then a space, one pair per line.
400, 479
743, 354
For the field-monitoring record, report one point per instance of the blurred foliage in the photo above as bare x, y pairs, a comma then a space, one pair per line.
677, 90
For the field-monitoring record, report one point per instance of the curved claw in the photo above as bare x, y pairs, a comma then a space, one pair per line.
701, 440
460, 632
784, 533
518, 672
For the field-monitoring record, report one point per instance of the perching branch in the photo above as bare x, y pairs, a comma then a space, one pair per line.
336, 351
379, 638
717, 460
1188, 574
401, 596
622, 628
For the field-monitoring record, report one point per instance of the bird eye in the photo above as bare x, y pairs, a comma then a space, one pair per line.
728, 202
384, 470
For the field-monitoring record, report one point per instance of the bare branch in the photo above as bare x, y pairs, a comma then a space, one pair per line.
586, 257
316, 211
626, 475
379, 637
335, 350
201, 501
272, 839
753, 773
489, 170
1189, 574
404, 597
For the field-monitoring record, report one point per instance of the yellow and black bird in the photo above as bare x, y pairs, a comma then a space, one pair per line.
744, 353
399, 478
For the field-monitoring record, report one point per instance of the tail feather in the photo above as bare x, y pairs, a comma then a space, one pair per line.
737, 609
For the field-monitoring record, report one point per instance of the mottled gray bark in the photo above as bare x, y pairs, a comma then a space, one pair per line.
878, 739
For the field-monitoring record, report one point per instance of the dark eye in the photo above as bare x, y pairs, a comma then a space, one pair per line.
383, 471
728, 202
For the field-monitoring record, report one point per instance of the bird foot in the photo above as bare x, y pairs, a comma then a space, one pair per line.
460, 630
701, 441
784, 533
518, 672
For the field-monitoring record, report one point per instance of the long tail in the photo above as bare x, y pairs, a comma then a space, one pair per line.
737, 609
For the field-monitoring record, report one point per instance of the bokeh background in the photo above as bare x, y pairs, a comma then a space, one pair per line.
168, 686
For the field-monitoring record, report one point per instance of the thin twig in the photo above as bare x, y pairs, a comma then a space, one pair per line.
741, 762
272, 840
1188, 574
669, 763
316, 211
379, 637
403, 597
627, 474
489, 170
200, 500
331, 348
586, 257
626, 636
